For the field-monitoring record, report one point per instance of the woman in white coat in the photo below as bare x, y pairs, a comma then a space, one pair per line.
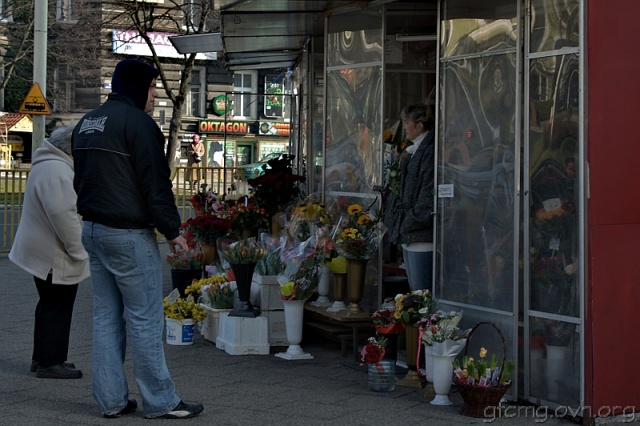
48, 246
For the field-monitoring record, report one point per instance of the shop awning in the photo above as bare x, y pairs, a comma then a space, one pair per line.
272, 34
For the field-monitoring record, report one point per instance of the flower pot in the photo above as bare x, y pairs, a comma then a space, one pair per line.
211, 323
293, 317
324, 283
182, 278
244, 275
209, 254
381, 376
356, 272
442, 378
339, 292
179, 332
412, 379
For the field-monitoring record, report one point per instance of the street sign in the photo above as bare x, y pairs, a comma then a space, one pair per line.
35, 103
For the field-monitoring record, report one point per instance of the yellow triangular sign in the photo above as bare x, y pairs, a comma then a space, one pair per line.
35, 103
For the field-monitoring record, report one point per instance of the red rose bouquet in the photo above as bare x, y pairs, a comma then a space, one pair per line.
373, 351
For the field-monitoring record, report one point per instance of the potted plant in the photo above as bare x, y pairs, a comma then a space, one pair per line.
381, 371
444, 340
357, 239
482, 380
217, 296
242, 257
246, 218
410, 308
299, 280
185, 267
277, 188
181, 315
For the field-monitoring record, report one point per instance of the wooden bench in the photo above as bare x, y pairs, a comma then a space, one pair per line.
332, 332
339, 326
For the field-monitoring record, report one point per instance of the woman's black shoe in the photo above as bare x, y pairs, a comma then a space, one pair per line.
34, 366
58, 371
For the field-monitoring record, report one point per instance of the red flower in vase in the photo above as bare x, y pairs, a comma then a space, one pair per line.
373, 351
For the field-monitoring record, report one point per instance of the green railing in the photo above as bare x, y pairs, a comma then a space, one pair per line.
217, 179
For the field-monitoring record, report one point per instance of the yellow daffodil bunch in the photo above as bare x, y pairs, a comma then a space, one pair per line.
184, 309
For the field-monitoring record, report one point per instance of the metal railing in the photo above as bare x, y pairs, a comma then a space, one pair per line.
216, 179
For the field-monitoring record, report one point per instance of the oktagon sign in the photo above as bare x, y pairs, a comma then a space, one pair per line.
222, 127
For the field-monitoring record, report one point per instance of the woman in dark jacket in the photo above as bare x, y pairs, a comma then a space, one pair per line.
413, 210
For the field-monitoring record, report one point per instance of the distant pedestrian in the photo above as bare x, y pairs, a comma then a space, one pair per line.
48, 246
194, 158
124, 192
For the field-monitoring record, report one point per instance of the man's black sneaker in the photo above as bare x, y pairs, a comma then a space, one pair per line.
59, 371
34, 366
131, 406
184, 411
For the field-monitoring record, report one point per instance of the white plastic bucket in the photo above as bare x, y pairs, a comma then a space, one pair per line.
179, 332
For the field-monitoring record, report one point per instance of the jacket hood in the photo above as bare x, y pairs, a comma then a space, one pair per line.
49, 152
132, 78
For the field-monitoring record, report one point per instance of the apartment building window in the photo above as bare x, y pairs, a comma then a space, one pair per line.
64, 10
195, 99
191, 14
5, 11
245, 85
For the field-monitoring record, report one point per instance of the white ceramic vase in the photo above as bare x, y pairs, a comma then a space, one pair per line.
442, 378
428, 363
323, 288
293, 317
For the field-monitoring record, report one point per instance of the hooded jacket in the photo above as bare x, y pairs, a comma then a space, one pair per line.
48, 237
122, 177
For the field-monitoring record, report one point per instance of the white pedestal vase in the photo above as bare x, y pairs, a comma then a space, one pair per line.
428, 363
443, 354
556, 356
293, 317
323, 288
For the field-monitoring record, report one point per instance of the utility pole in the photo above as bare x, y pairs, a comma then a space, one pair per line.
39, 66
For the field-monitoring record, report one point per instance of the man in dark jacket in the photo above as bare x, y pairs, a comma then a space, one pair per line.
124, 191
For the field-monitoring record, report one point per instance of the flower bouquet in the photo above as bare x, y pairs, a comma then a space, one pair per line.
381, 372
301, 273
208, 228
187, 260
180, 309
277, 188
242, 257
359, 233
412, 307
247, 216
216, 291
206, 202
385, 322
483, 381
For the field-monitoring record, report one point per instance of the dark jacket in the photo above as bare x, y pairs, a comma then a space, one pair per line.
412, 211
122, 176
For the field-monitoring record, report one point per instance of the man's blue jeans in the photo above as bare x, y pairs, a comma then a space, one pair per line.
419, 267
126, 279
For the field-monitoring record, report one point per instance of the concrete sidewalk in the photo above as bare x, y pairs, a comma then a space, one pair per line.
235, 390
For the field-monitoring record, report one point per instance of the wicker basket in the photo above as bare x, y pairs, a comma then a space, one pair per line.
478, 398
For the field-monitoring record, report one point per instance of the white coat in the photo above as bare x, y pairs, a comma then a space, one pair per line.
48, 239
